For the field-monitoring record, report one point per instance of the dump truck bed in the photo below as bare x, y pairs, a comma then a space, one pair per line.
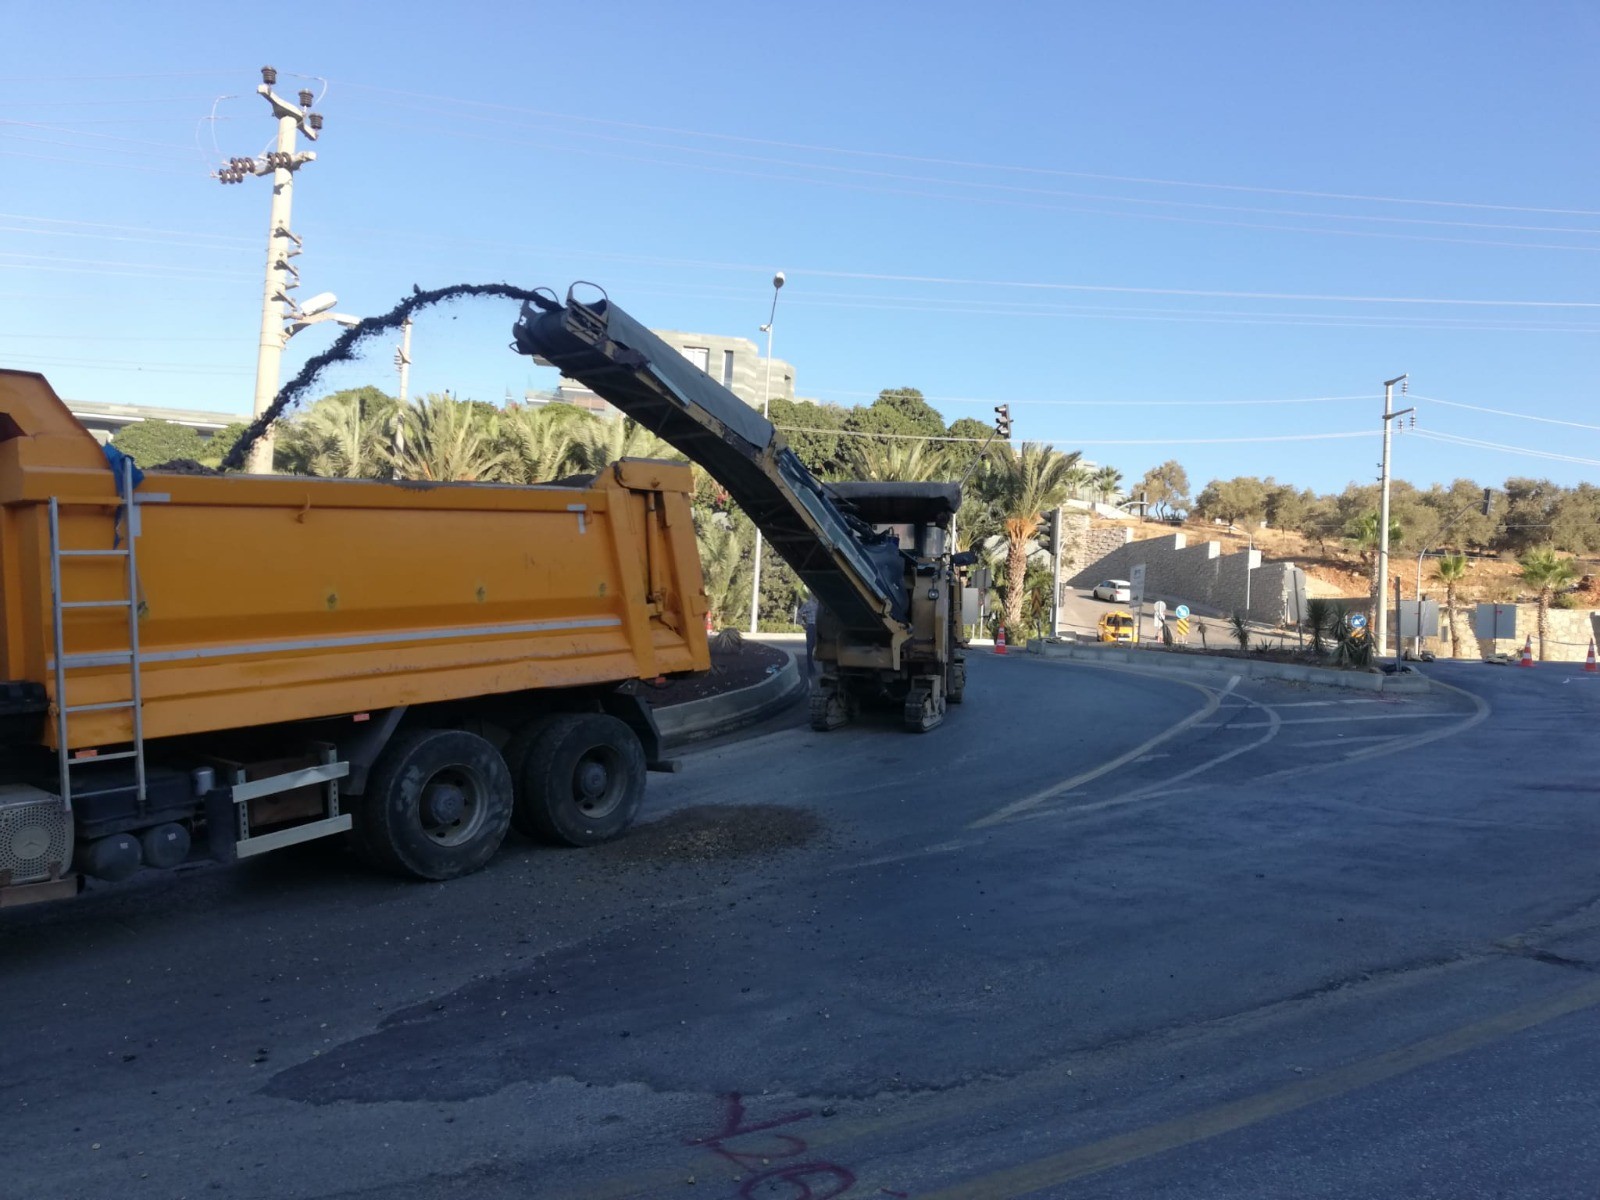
269, 599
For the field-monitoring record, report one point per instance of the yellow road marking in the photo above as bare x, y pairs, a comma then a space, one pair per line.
1117, 1151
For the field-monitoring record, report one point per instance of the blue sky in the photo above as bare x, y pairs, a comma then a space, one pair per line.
1114, 217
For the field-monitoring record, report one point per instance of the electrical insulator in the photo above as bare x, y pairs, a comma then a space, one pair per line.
269, 75
305, 99
316, 121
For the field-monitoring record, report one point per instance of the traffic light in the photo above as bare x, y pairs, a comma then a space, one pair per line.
1488, 500
1002, 421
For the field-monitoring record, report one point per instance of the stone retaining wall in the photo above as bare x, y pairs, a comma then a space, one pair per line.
1202, 576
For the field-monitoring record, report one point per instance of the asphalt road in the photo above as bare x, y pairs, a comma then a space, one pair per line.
1103, 935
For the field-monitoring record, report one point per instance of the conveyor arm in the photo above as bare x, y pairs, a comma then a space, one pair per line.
855, 572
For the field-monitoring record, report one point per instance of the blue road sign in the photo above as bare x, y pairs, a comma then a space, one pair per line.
1358, 621
1183, 611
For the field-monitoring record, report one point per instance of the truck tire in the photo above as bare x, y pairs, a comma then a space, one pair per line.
580, 780
437, 805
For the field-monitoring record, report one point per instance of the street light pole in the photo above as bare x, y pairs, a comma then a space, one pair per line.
1381, 622
1249, 565
766, 402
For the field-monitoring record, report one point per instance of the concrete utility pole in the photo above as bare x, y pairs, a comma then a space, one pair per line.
282, 245
766, 402
402, 360
1381, 617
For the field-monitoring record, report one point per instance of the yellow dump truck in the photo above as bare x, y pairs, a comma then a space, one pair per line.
225, 665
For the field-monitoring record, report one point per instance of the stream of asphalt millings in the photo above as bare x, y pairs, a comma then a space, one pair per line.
345, 347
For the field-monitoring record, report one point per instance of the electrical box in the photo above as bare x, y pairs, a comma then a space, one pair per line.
1496, 622
1427, 619
971, 606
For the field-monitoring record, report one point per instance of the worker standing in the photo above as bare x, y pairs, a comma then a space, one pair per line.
808, 622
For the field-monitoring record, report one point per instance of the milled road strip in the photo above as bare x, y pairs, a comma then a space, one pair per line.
1213, 699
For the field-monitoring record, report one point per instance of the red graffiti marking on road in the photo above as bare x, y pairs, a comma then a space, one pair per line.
755, 1146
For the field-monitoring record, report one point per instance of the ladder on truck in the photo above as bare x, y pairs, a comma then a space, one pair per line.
66, 663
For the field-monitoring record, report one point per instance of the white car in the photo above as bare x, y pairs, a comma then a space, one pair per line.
1118, 591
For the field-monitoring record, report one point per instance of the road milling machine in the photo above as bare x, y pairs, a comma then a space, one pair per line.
878, 556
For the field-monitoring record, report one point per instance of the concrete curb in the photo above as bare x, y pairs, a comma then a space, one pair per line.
1192, 663
696, 719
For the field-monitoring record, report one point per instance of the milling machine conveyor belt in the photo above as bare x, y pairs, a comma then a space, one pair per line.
856, 573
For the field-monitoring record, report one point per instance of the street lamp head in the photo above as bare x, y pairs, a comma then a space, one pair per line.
777, 280
320, 303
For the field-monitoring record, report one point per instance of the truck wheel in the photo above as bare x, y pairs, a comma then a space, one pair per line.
437, 806
580, 780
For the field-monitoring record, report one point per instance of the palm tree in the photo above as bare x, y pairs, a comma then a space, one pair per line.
604, 442
1450, 570
345, 435
1363, 533
916, 461
1547, 571
721, 560
541, 443
1027, 484
1078, 479
450, 441
1107, 481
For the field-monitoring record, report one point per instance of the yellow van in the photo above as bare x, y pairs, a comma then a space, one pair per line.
1118, 626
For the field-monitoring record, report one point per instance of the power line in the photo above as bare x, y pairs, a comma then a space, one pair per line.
109, 137
1024, 190
157, 367
1477, 444
857, 300
1111, 403
1078, 441
977, 165
769, 176
38, 79
82, 162
126, 228
1502, 412
101, 266
1207, 293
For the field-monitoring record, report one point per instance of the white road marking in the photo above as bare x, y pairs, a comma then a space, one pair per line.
1328, 703
1340, 720
1272, 726
1213, 699
1344, 741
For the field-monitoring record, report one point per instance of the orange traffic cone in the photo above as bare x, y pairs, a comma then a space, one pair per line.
1527, 653
1000, 640
1589, 663
709, 627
